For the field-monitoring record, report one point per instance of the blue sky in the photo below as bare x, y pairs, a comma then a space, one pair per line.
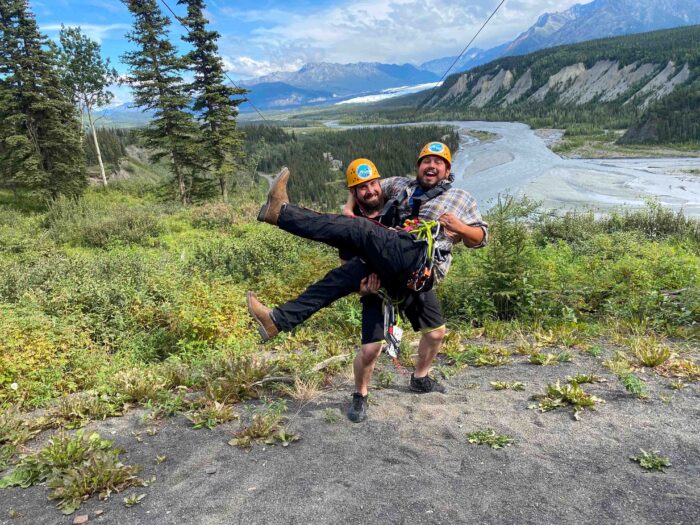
262, 36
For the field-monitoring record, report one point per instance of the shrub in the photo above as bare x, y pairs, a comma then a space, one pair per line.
41, 359
82, 223
213, 215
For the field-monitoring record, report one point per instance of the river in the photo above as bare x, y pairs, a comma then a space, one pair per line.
518, 162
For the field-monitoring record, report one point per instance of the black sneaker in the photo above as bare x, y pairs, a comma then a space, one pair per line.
358, 408
426, 384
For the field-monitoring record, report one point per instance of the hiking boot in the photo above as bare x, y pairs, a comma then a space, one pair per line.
263, 315
426, 384
358, 408
276, 198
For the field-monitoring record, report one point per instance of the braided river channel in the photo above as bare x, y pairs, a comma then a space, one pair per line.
518, 162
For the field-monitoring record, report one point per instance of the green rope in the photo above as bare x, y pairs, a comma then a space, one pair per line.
423, 231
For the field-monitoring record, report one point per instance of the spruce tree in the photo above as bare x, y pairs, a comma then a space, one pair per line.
158, 85
215, 104
86, 75
39, 129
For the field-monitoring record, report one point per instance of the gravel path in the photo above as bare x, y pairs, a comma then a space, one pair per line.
410, 462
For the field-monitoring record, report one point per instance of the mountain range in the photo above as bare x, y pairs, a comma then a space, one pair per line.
582, 22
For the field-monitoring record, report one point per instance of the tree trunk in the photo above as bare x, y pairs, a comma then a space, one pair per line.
180, 182
97, 147
224, 189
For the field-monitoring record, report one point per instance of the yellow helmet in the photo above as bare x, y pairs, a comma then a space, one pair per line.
435, 148
360, 171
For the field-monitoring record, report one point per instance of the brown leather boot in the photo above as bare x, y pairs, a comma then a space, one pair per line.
276, 198
262, 314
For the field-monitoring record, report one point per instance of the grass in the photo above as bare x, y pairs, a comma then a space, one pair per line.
16, 430
652, 461
540, 358
331, 415
266, 426
489, 437
621, 366
211, 414
649, 351
76, 410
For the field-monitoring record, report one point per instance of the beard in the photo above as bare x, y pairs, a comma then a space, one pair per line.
373, 206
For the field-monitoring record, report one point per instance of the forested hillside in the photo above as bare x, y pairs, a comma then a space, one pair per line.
649, 81
314, 181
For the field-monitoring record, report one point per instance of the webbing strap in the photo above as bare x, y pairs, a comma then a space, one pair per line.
433, 192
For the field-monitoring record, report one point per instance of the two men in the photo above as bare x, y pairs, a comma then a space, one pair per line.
422, 309
395, 256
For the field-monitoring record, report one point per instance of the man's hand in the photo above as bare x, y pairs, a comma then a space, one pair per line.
450, 222
456, 230
349, 206
451, 226
370, 285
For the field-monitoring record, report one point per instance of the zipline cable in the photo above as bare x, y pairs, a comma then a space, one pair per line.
460, 55
225, 73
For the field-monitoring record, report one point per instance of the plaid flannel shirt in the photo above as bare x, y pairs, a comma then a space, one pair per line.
454, 200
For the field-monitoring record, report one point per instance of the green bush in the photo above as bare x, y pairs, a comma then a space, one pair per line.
251, 252
565, 273
81, 223
213, 215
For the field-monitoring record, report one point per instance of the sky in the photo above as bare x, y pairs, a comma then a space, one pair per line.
262, 36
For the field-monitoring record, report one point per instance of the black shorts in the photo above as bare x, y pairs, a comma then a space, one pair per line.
422, 309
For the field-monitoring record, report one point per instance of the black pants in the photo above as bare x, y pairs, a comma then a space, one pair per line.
392, 255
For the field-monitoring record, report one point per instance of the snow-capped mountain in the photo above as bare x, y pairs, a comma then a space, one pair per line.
581, 22
349, 79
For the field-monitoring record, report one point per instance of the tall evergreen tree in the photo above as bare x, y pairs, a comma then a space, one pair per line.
86, 75
39, 129
215, 103
158, 85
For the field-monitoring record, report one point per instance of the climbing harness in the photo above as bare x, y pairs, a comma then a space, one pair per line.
423, 231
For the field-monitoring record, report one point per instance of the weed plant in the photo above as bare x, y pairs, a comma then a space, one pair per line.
489, 437
331, 416
634, 385
504, 385
78, 409
653, 460
557, 395
266, 426
476, 355
650, 352
74, 468
211, 414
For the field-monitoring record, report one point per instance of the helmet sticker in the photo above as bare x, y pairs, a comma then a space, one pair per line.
436, 147
364, 171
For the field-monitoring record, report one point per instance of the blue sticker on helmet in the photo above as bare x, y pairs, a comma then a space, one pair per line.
436, 147
364, 171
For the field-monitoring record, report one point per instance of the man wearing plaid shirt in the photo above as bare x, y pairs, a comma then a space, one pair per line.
393, 256
455, 209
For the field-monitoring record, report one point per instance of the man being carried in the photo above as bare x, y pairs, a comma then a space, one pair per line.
395, 256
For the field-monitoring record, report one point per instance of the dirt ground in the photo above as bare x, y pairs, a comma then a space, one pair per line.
410, 462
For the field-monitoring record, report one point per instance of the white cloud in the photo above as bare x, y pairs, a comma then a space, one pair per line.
246, 67
96, 32
395, 31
